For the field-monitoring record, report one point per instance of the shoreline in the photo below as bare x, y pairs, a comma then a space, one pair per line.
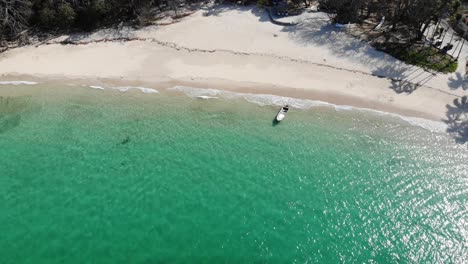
331, 98
310, 61
251, 74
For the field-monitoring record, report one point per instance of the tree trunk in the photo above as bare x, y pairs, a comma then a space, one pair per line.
368, 11
426, 25
463, 43
436, 29
445, 33
455, 50
396, 16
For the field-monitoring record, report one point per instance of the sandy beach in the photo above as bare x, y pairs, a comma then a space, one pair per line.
239, 49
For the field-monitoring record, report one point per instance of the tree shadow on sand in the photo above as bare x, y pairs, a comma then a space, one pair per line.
457, 119
402, 86
405, 79
459, 81
113, 32
217, 10
318, 31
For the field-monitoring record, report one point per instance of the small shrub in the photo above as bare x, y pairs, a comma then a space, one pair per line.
100, 7
263, 3
425, 57
66, 15
144, 17
47, 17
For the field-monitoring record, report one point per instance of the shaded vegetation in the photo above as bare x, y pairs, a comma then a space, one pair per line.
411, 13
19, 15
410, 30
423, 56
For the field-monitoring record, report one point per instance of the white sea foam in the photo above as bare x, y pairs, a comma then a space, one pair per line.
206, 97
17, 83
269, 99
96, 87
142, 89
430, 125
124, 88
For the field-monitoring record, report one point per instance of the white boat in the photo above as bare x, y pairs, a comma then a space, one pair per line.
282, 113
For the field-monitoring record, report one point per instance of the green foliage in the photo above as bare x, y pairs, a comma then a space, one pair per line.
101, 7
94, 14
452, 66
87, 14
454, 19
14, 16
263, 3
87, 18
425, 57
66, 15
412, 13
455, 6
429, 58
47, 17
62, 17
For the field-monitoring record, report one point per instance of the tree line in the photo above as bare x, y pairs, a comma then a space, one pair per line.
18, 15
413, 15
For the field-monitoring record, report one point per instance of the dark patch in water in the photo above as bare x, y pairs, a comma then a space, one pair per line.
10, 112
12, 104
8, 122
125, 141
274, 122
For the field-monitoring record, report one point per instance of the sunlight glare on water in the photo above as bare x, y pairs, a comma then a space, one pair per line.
108, 176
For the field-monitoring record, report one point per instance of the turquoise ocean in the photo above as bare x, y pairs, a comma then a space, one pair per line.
134, 176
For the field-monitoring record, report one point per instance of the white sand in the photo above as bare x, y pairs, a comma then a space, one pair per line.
238, 48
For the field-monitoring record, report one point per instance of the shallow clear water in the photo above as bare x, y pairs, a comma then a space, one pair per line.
109, 177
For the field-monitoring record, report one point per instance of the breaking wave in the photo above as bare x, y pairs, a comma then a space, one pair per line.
17, 83
275, 100
124, 88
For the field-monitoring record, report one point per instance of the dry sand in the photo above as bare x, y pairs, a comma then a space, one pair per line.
239, 49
